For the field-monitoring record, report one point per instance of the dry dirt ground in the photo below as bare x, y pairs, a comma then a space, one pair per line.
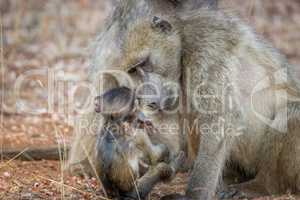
44, 37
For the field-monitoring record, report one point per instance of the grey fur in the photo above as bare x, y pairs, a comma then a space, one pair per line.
218, 49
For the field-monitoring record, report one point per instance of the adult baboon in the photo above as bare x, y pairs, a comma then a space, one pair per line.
239, 92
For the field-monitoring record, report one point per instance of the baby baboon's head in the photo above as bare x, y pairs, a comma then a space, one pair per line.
116, 103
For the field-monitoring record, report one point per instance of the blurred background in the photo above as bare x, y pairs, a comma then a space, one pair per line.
53, 36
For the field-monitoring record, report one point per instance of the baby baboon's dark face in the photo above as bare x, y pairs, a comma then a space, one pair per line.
115, 104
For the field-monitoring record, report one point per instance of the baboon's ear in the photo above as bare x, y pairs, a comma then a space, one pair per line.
161, 25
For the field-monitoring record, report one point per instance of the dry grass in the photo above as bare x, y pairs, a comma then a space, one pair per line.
43, 35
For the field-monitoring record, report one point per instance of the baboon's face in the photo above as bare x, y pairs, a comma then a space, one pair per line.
152, 53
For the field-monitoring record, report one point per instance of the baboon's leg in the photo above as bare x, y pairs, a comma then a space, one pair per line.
149, 180
156, 152
289, 158
206, 171
155, 175
279, 169
208, 167
264, 181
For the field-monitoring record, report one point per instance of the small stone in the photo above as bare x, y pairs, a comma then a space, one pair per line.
26, 196
6, 174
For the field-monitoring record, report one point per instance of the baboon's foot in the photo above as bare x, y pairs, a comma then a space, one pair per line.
164, 170
175, 197
232, 193
248, 190
176, 164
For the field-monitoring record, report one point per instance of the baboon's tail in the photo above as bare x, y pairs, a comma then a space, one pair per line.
29, 154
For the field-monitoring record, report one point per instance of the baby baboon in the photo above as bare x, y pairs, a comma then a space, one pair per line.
128, 161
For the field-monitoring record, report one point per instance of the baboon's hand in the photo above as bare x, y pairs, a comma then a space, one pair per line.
167, 171
160, 172
164, 170
178, 161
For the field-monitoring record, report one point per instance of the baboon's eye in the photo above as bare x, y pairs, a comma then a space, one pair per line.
161, 25
143, 64
153, 106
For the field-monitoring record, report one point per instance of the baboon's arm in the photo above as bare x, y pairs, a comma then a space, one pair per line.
47, 153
